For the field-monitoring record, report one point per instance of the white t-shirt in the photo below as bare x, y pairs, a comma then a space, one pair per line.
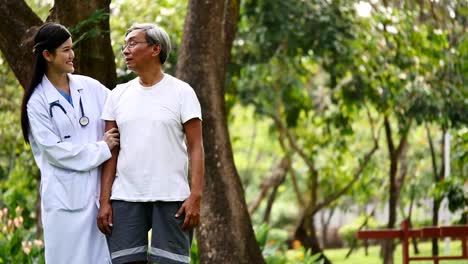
153, 161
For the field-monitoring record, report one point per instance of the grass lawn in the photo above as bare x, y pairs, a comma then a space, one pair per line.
337, 256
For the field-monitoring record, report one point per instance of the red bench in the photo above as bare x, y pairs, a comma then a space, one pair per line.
404, 234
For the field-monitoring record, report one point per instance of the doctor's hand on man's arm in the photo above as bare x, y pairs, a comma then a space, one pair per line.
112, 137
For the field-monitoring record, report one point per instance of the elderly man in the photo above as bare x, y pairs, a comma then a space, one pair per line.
145, 183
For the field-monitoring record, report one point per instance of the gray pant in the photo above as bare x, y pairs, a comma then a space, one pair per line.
131, 223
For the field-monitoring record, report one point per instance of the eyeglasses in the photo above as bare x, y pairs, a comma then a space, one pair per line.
131, 44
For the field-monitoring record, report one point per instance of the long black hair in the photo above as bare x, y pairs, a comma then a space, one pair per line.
49, 37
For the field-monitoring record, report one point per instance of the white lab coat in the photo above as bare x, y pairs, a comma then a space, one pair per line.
68, 157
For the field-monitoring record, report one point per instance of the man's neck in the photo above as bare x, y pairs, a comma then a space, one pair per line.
150, 77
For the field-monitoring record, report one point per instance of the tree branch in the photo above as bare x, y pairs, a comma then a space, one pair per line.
276, 178
388, 132
367, 157
19, 24
293, 143
281, 139
404, 138
431, 147
230, 22
300, 200
331, 198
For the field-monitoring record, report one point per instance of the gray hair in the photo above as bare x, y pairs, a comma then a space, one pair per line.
154, 35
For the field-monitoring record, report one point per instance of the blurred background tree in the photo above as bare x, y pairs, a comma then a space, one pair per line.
348, 113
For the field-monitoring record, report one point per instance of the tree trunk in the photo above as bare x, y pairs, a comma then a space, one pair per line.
225, 234
438, 176
271, 199
307, 235
410, 214
95, 57
325, 224
19, 24
397, 155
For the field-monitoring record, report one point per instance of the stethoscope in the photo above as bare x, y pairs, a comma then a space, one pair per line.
84, 120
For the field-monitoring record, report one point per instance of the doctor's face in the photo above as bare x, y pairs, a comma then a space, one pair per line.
61, 61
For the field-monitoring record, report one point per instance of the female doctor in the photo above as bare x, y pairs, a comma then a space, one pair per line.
60, 118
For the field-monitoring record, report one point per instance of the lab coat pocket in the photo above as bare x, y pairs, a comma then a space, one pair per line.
72, 189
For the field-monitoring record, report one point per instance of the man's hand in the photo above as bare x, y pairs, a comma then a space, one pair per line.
104, 219
191, 208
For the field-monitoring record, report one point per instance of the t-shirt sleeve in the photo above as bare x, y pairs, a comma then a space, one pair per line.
108, 112
190, 106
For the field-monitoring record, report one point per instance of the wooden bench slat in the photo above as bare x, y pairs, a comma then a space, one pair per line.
379, 234
433, 232
454, 231
439, 258
459, 232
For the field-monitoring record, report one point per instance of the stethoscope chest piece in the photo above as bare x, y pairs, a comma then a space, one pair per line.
84, 121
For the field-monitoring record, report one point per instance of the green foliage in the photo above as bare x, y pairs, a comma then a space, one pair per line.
88, 28
271, 242
17, 243
194, 257
457, 197
40, 7
410, 68
460, 154
275, 65
18, 184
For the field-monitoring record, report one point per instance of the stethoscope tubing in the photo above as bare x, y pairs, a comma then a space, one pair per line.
83, 121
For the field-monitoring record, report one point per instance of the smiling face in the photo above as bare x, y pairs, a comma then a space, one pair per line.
61, 60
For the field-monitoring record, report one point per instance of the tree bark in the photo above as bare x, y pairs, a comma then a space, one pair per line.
325, 224
95, 57
438, 176
225, 234
19, 24
409, 217
397, 156
271, 199
307, 234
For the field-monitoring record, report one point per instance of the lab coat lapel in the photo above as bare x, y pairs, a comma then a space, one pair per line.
51, 94
76, 88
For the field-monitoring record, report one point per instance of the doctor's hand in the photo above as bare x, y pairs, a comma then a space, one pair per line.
104, 219
112, 138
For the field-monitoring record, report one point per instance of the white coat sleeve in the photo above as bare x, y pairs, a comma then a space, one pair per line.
83, 157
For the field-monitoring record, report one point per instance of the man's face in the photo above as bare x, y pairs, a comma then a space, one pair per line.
137, 50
